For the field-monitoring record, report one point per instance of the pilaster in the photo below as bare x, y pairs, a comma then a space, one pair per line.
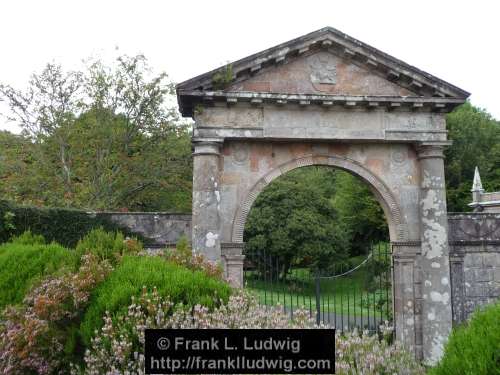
407, 301
434, 261
206, 198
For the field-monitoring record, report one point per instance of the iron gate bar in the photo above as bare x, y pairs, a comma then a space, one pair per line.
318, 306
265, 264
341, 301
387, 282
380, 285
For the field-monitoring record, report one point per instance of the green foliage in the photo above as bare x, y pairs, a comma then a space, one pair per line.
109, 246
360, 216
183, 247
473, 348
314, 216
223, 77
182, 255
7, 227
293, 219
14, 159
136, 273
22, 264
105, 138
64, 226
28, 238
476, 142
41, 335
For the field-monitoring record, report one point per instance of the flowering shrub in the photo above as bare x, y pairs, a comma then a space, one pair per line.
364, 354
181, 285
40, 336
118, 348
183, 256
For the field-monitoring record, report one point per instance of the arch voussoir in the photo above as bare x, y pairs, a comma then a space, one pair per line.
397, 226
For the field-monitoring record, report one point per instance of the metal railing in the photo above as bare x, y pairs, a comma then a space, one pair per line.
355, 292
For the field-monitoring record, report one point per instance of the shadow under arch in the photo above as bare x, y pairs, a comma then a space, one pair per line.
398, 229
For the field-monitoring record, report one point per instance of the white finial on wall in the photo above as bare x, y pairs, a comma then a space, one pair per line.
477, 185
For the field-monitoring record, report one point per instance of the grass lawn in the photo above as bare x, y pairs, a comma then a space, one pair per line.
345, 295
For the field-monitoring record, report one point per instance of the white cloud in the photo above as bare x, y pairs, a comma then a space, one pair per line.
456, 41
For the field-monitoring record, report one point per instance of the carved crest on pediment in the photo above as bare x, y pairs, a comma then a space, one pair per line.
323, 69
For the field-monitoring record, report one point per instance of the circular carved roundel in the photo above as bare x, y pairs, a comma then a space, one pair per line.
240, 154
399, 156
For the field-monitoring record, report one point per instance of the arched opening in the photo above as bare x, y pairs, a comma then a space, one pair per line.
318, 237
398, 231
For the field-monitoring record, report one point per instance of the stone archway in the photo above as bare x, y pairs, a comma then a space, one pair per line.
326, 98
398, 230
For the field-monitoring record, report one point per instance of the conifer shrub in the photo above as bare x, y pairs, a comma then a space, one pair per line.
474, 347
25, 261
107, 245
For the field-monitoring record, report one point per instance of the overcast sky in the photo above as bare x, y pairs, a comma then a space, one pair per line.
458, 41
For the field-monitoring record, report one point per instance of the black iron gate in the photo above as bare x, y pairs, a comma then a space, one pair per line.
356, 292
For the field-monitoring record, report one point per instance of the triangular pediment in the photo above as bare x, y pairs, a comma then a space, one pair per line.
326, 64
318, 73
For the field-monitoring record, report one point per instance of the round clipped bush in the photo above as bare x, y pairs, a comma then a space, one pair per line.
134, 273
473, 348
22, 264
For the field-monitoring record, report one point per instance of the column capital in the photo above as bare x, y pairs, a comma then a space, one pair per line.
426, 150
233, 260
406, 251
207, 146
232, 248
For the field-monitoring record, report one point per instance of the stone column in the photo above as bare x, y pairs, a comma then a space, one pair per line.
232, 261
434, 261
206, 198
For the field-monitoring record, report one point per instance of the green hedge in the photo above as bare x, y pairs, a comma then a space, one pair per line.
473, 348
64, 226
134, 273
22, 264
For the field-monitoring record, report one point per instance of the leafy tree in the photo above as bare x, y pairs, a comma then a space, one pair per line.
476, 142
15, 156
104, 138
44, 109
360, 216
293, 220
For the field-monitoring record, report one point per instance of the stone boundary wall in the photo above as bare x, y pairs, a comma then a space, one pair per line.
160, 228
474, 240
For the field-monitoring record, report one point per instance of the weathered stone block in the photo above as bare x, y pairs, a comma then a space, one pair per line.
490, 259
483, 274
477, 290
494, 290
469, 275
496, 274
473, 260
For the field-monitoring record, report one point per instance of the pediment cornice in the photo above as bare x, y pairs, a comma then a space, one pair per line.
432, 91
